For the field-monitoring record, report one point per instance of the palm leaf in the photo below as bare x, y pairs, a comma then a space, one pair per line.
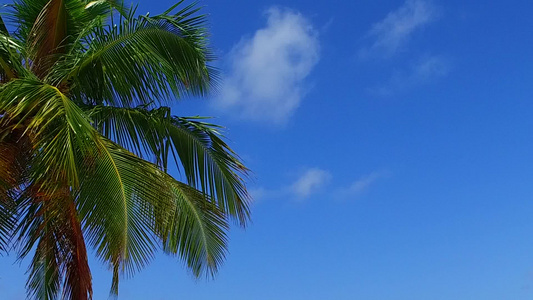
104, 7
44, 272
51, 221
48, 35
24, 13
7, 220
10, 58
129, 206
206, 160
3, 28
139, 60
60, 129
116, 200
55, 30
14, 157
195, 231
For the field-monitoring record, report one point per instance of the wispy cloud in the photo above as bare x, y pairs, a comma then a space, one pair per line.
267, 74
314, 181
390, 34
361, 184
424, 70
309, 183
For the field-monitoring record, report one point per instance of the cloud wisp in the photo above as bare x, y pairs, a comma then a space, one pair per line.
361, 184
423, 71
314, 181
266, 81
391, 34
309, 183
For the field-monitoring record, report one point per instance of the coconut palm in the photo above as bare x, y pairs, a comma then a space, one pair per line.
87, 137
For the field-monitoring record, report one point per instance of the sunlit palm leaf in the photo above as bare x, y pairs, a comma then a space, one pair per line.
195, 231
48, 35
24, 13
3, 28
104, 7
10, 58
117, 200
141, 59
60, 128
205, 159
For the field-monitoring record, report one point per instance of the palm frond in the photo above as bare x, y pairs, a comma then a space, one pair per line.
60, 129
3, 28
205, 159
129, 207
44, 272
51, 221
23, 14
55, 30
195, 231
105, 7
48, 36
141, 59
10, 58
116, 200
7, 220
14, 157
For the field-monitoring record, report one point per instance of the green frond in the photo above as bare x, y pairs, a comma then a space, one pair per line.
117, 200
15, 153
197, 147
129, 206
7, 219
48, 36
52, 223
195, 231
3, 28
52, 28
23, 14
38, 225
10, 58
60, 129
44, 272
105, 7
141, 59
211, 166
55, 31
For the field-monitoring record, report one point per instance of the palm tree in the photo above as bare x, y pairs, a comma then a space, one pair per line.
86, 139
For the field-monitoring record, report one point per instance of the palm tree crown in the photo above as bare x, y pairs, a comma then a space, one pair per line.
86, 140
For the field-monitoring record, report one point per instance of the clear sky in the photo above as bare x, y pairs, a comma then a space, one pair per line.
391, 146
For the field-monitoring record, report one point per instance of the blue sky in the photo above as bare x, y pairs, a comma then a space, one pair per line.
391, 149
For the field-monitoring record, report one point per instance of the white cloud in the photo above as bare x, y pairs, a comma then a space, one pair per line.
391, 33
361, 184
266, 81
310, 182
424, 70
430, 67
258, 193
